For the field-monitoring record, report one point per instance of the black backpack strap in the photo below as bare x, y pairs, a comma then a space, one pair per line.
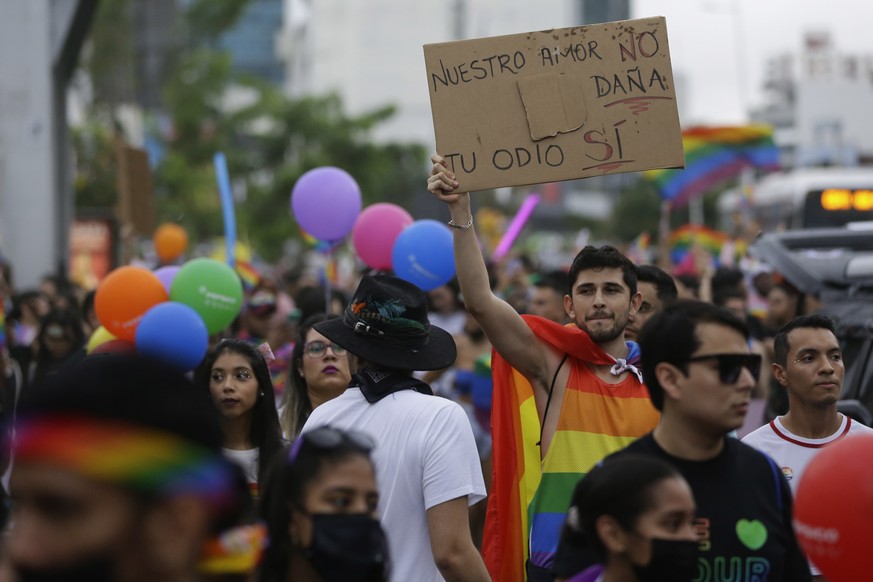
549, 399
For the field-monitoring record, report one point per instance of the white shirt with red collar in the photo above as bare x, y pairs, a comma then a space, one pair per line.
793, 453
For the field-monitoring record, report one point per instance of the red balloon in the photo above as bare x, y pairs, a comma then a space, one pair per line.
833, 509
116, 346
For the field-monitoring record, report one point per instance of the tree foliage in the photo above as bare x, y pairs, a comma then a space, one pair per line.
269, 140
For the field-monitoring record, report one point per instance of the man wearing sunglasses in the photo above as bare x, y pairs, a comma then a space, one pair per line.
809, 364
427, 466
700, 375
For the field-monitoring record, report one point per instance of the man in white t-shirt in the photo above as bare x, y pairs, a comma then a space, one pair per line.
427, 466
809, 363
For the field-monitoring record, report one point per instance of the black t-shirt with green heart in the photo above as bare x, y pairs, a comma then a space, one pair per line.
744, 509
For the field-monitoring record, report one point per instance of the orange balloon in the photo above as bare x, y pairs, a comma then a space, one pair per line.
124, 296
170, 240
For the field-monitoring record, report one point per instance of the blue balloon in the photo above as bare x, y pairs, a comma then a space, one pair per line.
174, 334
423, 255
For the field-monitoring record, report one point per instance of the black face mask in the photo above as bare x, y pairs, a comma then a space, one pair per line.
673, 560
348, 548
94, 569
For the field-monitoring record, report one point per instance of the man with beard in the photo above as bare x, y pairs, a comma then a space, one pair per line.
118, 475
588, 396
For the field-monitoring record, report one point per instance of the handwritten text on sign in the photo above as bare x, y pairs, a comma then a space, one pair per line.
555, 105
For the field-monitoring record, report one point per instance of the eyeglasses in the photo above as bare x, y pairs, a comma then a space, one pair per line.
730, 366
317, 348
328, 437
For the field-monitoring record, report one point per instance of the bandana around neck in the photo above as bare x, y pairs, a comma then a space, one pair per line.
377, 383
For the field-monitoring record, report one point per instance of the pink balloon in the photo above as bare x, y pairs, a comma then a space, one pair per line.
325, 202
375, 231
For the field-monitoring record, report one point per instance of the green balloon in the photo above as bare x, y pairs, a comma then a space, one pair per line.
212, 289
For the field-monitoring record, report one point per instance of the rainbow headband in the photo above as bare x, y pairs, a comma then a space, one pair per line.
147, 460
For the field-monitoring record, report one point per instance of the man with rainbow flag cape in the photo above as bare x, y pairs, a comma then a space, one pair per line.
564, 396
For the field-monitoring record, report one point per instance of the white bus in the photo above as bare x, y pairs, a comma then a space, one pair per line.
804, 198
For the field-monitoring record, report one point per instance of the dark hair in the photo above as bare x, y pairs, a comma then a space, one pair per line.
311, 300
781, 345
128, 389
671, 336
69, 320
298, 406
691, 282
605, 257
661, 279
726, 277
88, 305
620, 487
555, 280
286, 486
720, 297
264, 432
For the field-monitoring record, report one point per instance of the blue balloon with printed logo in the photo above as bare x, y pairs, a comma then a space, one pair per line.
174, 334
423, 254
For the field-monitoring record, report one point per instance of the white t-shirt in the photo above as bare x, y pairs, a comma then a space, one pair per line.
425, 455
792, 452
247, 461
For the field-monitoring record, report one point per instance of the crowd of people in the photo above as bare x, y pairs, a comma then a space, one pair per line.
579, 424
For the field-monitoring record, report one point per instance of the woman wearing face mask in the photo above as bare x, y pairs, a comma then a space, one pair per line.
320, 509
319, 372
635, 514
235, 373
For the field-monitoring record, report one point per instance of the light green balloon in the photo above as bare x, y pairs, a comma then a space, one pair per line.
212, 289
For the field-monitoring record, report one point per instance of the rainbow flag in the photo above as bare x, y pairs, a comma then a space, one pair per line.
684, 237
713, 155
317, 244
638, 250
249, 275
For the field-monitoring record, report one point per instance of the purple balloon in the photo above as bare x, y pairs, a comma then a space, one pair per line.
166, 275
326, 202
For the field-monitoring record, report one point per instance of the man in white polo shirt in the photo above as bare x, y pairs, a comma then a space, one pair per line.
809, 363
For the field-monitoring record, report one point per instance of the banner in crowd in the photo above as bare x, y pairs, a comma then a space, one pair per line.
555, 104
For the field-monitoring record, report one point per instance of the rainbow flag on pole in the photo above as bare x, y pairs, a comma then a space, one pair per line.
713, 155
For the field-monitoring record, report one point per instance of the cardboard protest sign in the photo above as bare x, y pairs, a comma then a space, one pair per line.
556, 104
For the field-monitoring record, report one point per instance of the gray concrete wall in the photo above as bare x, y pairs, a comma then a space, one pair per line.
29, 216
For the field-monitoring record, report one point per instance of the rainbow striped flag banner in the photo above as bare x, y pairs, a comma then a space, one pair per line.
638, 250
248, 274
713, 155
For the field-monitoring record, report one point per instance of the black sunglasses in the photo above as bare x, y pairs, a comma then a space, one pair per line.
730, 366
327, 438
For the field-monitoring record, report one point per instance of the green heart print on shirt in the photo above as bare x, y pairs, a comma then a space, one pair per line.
752, 533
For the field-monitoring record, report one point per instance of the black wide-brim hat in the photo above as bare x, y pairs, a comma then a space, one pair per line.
386, 323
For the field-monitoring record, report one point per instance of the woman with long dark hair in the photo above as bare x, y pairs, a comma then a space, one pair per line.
320, 508
237, 377
319, 372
